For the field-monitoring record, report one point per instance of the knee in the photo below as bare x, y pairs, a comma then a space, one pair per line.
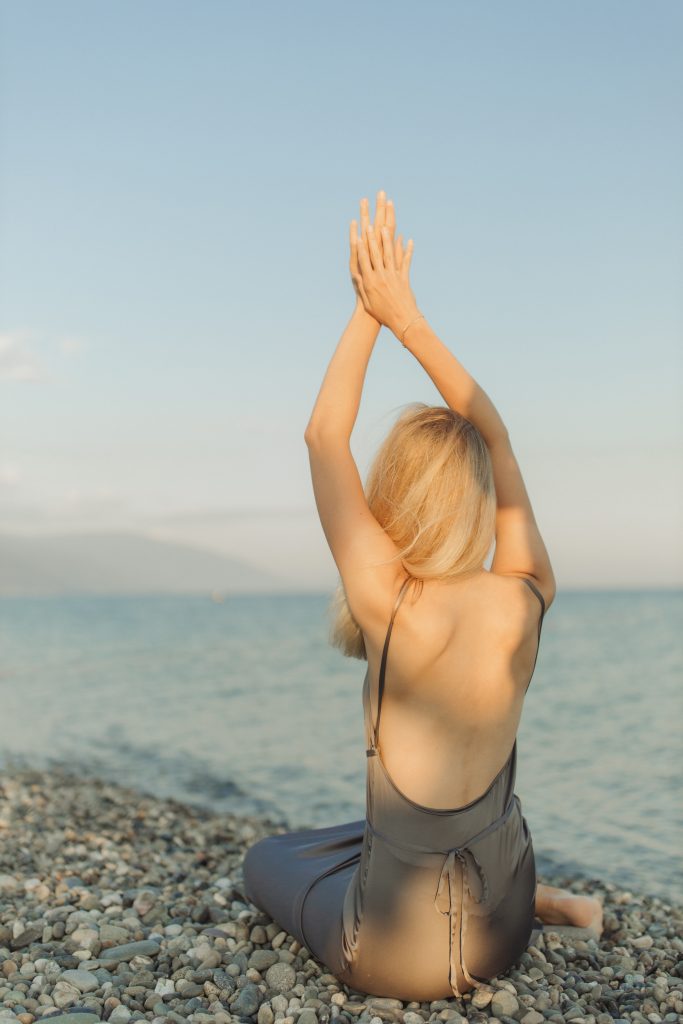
251, 862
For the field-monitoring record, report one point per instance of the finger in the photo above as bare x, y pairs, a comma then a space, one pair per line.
390, 220
373, 246
364, 216
390, 224
405, 269
398, 252
353, 246
364, 264
388, 251
380, 219
380, 213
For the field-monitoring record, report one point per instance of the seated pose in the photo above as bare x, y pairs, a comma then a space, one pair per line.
434, 891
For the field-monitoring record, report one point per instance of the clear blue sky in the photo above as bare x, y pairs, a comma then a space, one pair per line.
176, 186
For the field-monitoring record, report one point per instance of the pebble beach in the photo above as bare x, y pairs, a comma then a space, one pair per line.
118, 905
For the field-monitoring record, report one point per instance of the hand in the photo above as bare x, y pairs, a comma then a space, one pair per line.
380, 266
384, 215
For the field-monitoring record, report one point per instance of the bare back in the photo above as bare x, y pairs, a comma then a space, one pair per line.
462, 655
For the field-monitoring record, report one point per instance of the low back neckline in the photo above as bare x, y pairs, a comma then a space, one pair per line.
373, 749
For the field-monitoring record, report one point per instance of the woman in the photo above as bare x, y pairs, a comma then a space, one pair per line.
444, 830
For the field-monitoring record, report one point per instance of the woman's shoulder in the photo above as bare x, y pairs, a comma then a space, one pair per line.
486, 597
434, 613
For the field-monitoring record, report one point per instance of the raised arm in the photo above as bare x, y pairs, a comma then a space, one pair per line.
520, 550
386, 294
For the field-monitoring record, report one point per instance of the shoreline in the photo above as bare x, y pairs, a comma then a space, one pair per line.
119, 905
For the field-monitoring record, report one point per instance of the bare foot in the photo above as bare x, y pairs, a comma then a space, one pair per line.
559, 906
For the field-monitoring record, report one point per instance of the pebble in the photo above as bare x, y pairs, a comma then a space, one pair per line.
247, 1001
85, 981
281, 977
262, 959
265, 1014
77, 1016
119, 1015
308, 1016
140, 915
504, 1004
129, 950
532, 1017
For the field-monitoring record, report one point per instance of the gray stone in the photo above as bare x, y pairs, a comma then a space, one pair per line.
262, 959
26, 937
130, 949
188, 989
64, 994
211, 960
307, 1016
533, 1017
482, 996
265, 1014
281, 977
113, 933
85, 937
119, 1015
504, 1004
85, 981
247, 1001
77, 1016
224, 981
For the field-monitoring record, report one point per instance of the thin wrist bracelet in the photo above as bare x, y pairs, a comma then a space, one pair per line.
403, 332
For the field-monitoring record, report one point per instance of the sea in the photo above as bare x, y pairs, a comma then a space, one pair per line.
239, 704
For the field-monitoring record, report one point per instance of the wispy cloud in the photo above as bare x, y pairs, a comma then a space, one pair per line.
9, 474
17, 362
72, 345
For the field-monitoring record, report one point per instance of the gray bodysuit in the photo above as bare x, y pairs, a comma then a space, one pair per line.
410, 902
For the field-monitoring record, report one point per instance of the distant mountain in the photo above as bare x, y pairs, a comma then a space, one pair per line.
124, 563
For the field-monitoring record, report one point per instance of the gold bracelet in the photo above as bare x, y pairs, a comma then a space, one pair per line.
403, 332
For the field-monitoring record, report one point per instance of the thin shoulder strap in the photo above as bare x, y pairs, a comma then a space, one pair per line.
383, 665
539, 595
536, 591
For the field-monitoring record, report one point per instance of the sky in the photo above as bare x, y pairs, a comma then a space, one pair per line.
176, 186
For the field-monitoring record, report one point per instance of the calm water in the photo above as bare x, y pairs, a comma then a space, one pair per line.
244, 706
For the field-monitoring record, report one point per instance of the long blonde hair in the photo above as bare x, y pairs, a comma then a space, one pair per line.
431, 488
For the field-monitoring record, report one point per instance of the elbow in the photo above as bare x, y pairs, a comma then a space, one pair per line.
315, 435
309, 434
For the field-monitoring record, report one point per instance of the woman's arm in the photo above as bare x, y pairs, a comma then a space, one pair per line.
336, 407
458, 388
520, 549
385, 289
364, 554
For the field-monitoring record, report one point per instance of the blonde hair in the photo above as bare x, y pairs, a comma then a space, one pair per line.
431, 488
